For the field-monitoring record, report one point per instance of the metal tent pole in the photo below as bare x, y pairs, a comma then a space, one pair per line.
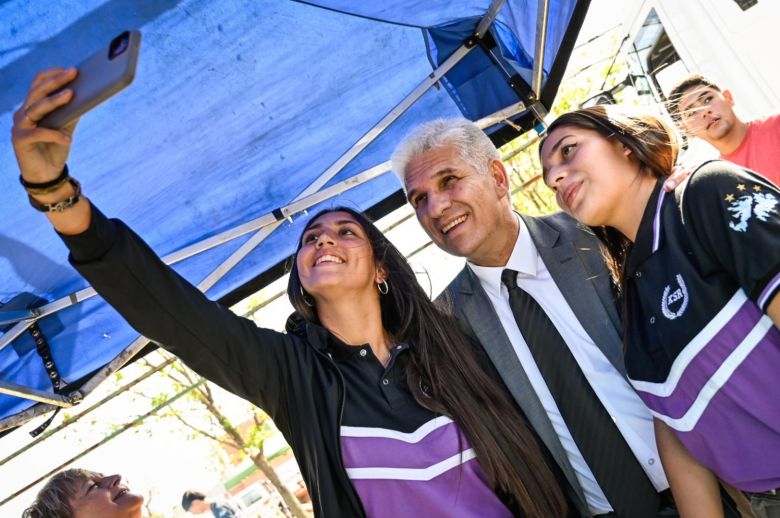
542, 13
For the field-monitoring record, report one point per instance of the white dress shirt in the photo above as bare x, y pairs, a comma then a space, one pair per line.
629, 413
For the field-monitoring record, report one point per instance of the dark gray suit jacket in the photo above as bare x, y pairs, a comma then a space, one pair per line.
572, 255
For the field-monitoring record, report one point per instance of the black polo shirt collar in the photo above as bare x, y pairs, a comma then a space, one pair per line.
649, 235
342, 350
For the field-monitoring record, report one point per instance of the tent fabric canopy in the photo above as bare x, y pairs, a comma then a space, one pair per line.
237, 108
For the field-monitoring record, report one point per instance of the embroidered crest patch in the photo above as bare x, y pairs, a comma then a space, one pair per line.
757, 205
675, 302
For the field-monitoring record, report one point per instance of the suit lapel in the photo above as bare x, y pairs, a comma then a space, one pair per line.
473, 305
579, 272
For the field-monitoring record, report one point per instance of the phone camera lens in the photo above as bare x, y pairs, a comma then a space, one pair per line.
119, 45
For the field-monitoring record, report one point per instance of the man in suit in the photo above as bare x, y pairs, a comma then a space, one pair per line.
459, 188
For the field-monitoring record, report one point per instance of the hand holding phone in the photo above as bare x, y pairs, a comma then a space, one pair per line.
99, 77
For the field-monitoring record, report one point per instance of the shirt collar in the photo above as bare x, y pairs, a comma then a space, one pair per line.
649, 234
340, 349
524, 260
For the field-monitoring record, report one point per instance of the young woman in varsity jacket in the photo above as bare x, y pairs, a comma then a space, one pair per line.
382, 399
698, 273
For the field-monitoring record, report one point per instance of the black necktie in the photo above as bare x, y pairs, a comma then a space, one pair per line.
612, 462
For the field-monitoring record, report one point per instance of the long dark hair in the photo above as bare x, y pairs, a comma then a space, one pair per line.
653, 143
444, 376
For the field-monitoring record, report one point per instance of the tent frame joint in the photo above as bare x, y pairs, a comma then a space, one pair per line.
486, 42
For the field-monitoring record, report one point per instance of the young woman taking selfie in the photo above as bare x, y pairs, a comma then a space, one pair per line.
387, 405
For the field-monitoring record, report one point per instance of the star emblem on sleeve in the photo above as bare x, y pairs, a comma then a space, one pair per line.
741, 187
757, 188
729, 197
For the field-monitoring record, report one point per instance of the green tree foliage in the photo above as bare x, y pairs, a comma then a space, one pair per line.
200, 413
591, 70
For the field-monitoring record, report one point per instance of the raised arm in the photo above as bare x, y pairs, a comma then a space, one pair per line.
256, 364
42, 152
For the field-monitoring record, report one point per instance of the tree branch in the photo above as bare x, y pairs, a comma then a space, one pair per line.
204, 433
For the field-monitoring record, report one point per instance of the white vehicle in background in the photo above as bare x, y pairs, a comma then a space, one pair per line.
260, 499
732, 42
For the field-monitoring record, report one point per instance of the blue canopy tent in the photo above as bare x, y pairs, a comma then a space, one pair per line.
242, 115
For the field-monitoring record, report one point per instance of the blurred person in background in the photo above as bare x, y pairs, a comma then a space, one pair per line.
196, 502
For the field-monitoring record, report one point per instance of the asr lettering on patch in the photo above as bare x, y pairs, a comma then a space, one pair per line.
674, 301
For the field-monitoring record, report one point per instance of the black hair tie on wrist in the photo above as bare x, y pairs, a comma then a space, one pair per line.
43, 186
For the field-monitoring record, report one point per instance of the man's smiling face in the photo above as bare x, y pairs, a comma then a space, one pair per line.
458, 206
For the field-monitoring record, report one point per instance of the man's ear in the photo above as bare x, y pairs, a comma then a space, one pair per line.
500, 177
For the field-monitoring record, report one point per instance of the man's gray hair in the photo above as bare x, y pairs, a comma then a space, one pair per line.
473, 146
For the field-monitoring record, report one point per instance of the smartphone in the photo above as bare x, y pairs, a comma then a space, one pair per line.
100, 76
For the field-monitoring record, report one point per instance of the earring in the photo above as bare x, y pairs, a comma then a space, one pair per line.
305, 297
383, 287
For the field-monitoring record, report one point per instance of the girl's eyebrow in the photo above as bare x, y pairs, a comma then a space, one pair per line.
339, 222
558, 144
